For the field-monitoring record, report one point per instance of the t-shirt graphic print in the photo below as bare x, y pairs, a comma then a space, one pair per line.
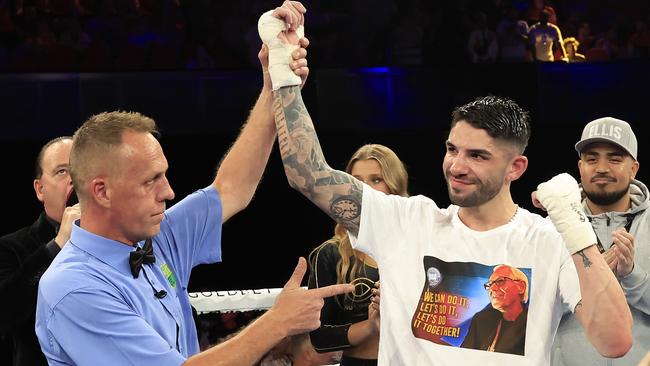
471, 305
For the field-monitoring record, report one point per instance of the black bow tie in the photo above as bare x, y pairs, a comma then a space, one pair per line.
141, 256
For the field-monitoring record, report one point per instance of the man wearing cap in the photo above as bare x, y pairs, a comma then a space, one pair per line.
617, 206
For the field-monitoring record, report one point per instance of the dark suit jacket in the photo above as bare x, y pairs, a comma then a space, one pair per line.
24, 256
483, 328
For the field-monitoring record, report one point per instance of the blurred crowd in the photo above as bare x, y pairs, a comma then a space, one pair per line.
136, 35
571, 31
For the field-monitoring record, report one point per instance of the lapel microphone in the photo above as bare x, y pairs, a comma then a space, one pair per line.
158, 294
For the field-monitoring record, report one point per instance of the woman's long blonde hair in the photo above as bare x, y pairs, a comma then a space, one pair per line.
395, 176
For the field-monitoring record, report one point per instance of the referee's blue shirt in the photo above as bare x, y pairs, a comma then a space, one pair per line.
91, 311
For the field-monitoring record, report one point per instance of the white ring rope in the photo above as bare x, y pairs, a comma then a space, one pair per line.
234, 300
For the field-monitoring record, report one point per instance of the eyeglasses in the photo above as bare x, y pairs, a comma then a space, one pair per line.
499, 282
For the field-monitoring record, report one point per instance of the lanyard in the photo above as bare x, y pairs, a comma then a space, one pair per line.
628, 226
493, 346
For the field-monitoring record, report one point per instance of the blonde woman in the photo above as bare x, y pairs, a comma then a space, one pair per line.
346, 322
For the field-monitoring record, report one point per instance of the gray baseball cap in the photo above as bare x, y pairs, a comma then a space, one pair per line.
612, 130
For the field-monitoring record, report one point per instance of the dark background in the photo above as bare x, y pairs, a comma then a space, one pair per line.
408, 109
382, 71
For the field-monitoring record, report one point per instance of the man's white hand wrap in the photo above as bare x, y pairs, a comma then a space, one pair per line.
561, 198
279, 53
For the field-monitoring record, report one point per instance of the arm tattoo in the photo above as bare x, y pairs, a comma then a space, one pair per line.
585, 260
335, 192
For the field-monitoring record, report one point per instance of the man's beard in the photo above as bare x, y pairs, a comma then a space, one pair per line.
484, 192
605, 198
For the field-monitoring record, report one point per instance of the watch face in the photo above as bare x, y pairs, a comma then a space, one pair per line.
345, 208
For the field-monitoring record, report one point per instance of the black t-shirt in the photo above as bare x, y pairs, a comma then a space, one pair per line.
339, 312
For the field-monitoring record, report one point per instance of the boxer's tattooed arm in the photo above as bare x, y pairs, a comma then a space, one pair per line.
335, 192
585, 260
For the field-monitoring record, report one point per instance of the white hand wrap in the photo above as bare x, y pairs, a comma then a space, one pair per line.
279, 53
561, 198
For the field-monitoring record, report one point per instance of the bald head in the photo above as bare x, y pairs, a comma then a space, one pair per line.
52, 178
38, 171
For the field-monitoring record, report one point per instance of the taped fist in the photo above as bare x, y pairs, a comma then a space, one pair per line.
281, 30
560, 196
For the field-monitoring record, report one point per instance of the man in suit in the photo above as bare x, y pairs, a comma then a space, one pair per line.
26, 253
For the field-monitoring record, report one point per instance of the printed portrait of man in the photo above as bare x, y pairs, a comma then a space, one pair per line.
501, 326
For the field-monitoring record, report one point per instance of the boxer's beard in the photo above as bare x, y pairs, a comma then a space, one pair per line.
484, 192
